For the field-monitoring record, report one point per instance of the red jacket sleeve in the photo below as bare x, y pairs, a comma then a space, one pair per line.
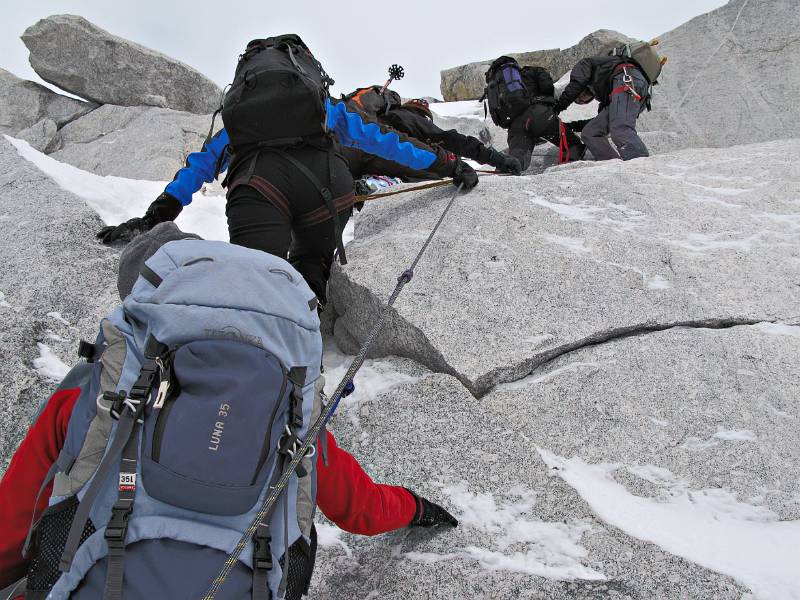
28, 468
349, 497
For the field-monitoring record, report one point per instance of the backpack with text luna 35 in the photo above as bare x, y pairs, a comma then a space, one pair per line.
203, 385
505, 93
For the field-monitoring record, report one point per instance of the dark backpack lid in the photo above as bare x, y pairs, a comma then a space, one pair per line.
499, 62
286, 38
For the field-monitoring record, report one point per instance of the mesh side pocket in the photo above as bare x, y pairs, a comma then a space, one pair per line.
302, 556
49, 541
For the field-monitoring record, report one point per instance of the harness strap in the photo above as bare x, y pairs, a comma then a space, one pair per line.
563, 146
117, 528
130, 413
324, 192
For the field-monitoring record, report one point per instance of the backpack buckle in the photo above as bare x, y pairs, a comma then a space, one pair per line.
117, 527
262, 556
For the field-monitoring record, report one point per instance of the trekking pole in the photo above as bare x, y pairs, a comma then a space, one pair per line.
322, 420
396, 72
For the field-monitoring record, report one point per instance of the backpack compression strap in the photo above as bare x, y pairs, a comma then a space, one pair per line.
130, 411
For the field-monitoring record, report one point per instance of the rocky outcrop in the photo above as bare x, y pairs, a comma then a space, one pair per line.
733, 76
678, 421
467, 81
25, 103
42, 135
138, 142
79, 57
56, 284
577, 255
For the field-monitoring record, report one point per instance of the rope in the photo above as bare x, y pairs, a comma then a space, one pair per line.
426, 186
369, 197
314, 430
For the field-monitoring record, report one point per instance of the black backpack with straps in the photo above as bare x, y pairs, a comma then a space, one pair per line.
278, 99
278, 95
538, 82
505, 91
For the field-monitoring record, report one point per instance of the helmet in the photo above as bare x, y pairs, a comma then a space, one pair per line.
421, 106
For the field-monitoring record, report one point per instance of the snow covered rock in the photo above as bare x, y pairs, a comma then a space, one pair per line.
523, 270
523, 533
25, 103
466, 82
139, 142
55, 285
733, 76
79, 57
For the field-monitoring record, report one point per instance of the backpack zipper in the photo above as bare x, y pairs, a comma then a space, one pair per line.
262, 457
165, 398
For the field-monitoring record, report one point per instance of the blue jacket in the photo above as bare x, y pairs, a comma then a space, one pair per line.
353, 129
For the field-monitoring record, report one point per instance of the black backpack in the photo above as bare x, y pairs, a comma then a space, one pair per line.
373, 102
505, 91
277, 97
538, 81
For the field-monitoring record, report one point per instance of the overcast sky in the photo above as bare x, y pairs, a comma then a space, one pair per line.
355, 40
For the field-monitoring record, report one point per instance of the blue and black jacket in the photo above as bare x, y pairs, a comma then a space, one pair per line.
353, 129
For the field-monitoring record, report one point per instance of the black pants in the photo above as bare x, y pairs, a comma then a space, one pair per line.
280, 211
538, 122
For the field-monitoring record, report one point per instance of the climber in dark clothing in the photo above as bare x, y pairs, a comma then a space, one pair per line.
272, 203
622, 90
414, 118
538, 122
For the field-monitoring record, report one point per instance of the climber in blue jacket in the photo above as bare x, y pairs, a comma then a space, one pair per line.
273, 205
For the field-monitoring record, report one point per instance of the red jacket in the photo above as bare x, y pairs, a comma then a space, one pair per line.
345, 493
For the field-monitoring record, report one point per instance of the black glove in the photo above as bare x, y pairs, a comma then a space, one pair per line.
429, 514
164, 208
558, 108
505, 163
466, 175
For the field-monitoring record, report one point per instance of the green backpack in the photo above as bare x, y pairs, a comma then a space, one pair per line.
645, 56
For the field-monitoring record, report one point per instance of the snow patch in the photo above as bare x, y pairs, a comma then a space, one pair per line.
657, 282
3, 303
551, 550
709, 527
117, 199
778, 329
734, 435
57, 316
576, 245
329, 536
465, 109
48, 365
533, 379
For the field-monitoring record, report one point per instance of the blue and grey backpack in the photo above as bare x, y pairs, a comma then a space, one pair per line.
505, 92
202, 384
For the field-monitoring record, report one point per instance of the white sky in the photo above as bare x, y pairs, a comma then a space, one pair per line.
355, 40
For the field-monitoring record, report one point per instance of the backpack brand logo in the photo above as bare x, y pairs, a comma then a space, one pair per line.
219, 427
233, 333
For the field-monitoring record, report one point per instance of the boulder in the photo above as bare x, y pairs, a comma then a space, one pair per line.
138, 142
691, 427
42, 135
727, 82
79, 57
25, 103
467, 81
523, 270
56, 284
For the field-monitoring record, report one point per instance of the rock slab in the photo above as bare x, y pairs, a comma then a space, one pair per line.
733, 76
25, 103
138, 142
525, 269
85, 60
56, 284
